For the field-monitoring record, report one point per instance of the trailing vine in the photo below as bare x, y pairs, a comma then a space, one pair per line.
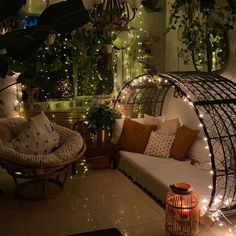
204, 26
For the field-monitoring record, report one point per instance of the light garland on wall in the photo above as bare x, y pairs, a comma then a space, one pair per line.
134, 58
129, 56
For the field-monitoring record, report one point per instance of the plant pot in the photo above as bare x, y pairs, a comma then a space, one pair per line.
108, 48
99, 162
102, 136
32, 94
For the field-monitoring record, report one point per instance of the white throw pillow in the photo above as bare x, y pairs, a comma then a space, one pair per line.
199, 155
153, 120
169, 127
117, 130
38, 138
159, 145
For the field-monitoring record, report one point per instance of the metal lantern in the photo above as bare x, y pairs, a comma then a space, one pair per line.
182, 210
112, 15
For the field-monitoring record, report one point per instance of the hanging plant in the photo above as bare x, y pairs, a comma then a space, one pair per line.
202, 27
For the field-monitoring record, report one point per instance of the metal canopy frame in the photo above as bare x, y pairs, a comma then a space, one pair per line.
213, 99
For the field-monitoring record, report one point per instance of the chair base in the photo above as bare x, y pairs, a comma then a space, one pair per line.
33, 187
39, 189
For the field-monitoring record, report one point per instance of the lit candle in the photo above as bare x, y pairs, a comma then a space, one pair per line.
184, 213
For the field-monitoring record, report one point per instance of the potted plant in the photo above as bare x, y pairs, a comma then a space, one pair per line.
100, 120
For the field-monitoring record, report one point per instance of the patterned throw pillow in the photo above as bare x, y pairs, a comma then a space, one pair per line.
159, 145
38, 138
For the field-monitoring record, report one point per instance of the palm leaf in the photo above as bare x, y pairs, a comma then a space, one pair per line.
10, 8
64, 16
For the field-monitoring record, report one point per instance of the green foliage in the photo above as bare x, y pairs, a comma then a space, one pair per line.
203, 27
93, 76
101, 117
12, 22
78, 55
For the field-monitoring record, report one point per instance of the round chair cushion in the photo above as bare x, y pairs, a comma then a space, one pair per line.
69, 150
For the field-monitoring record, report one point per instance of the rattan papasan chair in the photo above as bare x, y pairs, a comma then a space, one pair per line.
42, 176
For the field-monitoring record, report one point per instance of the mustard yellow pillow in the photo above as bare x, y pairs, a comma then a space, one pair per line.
184, 138
135, 136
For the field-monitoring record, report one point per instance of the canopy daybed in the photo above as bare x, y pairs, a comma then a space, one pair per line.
211, 100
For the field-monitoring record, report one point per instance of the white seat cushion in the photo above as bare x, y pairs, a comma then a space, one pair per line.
157, 174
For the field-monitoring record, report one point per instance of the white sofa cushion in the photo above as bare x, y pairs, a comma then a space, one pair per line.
159, 145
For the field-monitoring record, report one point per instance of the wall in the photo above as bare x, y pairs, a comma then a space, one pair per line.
175, 62
155, 23
35, 7
149, 28
8, 96
230, 67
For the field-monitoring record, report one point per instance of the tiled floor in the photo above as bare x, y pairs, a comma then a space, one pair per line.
95, 200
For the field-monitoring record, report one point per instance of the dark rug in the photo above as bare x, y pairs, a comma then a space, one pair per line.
104, 232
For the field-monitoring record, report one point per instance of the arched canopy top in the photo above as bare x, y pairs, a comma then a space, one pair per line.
205, 88
213, 99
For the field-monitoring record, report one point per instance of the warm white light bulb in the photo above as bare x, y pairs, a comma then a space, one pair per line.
204, 200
